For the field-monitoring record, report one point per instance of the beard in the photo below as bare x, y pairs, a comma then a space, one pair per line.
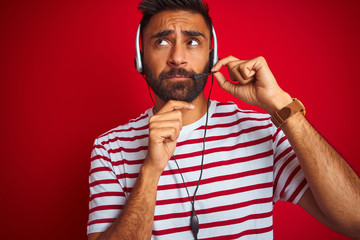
186, 91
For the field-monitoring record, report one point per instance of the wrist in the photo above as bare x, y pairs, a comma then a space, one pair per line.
150, 173
279, 118
277, 103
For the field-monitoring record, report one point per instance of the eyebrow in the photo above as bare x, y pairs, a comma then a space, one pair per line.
185, 33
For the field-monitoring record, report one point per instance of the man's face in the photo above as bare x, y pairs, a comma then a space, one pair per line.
176, 45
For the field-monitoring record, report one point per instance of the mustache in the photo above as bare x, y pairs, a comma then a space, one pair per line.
176, 72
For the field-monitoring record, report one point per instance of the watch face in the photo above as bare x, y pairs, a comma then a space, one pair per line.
285, 113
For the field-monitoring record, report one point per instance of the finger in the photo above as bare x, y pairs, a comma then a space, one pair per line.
247, 70
174, 115
161, 135
236, 74
224, 62
175, 105
224, 83
166, 124
240, 74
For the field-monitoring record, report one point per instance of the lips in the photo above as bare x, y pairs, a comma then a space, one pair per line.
177, 74
178, 77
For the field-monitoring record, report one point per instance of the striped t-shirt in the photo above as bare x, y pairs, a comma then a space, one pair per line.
248, 166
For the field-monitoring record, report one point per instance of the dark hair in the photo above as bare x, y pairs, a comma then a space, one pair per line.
151, 7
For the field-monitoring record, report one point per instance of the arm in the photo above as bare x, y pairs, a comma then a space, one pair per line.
334, 198
334, 185
136, 219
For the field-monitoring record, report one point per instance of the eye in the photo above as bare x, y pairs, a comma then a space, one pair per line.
161, 42
193, 42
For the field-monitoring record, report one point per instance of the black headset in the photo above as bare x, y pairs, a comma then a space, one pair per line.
139, 55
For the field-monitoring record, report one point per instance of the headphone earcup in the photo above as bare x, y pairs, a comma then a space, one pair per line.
211, 59
139, 63
142, 62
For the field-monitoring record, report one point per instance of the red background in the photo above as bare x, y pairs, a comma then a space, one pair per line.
67, 75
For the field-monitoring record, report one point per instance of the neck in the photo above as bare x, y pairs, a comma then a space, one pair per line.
189, 116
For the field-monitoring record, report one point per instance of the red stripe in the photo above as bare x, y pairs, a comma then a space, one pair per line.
100, 169
221, 137
107, 194
225, 149
216, 194
104, 181
126, 139
214, 210
127, 175
99, 146
100, 157
276, 133
227, 114
139, 118
281, 141
215, 224
241, 234
219, 178
106, 207
281, 155
103, 220
128, 150
298, 190
170, 230
224, 103
221, 163
289, 179
282, 169
224, 114
233, 104
236, 221
125, 130
128, 162
230, 124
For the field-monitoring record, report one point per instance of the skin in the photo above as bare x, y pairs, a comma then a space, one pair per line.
334, 194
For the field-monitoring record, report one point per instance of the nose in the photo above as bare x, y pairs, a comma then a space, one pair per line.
177, 56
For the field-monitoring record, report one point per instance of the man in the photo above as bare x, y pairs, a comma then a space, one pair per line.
190, 168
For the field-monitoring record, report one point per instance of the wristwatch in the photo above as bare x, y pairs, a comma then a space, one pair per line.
280, 117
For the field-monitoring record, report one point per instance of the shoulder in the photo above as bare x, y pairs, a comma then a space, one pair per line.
229, 115
232, 111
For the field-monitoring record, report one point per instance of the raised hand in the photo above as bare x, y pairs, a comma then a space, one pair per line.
255, 83
164, 130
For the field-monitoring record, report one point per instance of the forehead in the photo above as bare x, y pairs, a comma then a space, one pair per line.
177, 20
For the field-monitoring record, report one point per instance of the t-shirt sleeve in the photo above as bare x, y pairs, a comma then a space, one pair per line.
107, 197
289, 180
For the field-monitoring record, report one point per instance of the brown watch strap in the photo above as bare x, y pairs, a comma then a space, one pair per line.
280, 117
